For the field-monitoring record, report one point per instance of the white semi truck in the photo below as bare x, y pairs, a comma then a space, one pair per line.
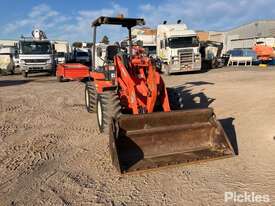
149, 43
178, 48
36, 54
62, 51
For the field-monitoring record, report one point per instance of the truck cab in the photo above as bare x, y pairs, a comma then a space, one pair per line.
35, 56
178, 48
61, 51
82, 56
148, 43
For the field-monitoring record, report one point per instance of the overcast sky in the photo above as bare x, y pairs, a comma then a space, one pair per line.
70, 19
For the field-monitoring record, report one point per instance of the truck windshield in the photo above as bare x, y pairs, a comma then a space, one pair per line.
150, 49
82, 54
181, 42
60, 54
36, 47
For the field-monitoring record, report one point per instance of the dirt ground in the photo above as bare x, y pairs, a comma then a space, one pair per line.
51, 152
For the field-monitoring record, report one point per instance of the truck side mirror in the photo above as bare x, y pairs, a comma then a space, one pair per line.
16, 54
99, 51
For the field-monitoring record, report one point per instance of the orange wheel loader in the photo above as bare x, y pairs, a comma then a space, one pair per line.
130, 99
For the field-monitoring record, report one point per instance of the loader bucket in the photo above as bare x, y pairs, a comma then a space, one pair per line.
148, 141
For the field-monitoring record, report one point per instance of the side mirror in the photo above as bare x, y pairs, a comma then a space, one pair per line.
99, 51
16, 54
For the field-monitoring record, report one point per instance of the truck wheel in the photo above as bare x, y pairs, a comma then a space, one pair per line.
53, 73
108, 107
166, 69
25, 74
12, 71
3, 72
90, 96
60, 78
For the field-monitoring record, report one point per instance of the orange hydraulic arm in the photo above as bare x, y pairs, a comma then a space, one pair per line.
141, 85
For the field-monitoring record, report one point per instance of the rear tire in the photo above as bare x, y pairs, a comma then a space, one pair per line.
108, 107
90, 96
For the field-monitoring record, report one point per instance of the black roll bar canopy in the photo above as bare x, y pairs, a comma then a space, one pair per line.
124, 22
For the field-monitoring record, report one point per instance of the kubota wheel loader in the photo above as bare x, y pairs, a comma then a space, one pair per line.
125, 91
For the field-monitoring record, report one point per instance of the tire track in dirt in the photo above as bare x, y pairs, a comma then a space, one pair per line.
76, 167
22, 159
14, 108
7, 128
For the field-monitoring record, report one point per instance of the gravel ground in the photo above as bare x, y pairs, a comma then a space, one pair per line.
51, 152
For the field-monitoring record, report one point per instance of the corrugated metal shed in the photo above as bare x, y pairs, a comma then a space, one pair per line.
247, 35
262, 28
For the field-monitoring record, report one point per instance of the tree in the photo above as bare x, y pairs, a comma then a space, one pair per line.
77, 44
105, 40
89, 44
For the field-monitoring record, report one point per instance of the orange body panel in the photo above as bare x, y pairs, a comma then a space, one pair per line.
72, 71
139, 85
264, 52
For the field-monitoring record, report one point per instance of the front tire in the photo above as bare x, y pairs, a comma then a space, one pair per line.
90, 97
107, 107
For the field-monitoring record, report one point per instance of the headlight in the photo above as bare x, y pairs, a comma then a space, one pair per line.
22, 61
49, 61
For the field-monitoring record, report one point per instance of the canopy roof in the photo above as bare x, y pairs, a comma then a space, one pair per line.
124, 22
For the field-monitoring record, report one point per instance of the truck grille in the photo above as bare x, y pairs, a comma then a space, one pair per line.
35, 60
186, 57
